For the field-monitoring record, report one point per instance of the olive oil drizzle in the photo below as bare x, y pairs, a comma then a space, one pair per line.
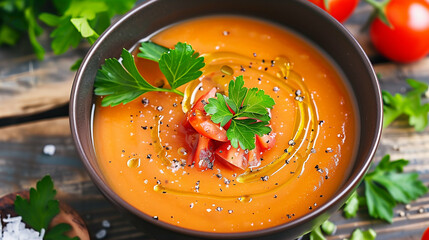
306, 127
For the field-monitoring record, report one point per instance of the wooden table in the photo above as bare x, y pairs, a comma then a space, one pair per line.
33, 114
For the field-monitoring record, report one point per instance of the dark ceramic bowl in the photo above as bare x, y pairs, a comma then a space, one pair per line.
300, 16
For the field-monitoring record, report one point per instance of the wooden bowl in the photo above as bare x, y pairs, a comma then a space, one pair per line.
67, 215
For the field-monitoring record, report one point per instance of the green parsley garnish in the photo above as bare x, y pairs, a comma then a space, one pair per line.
327, 227
122, 82
386, 186
72, 19
408, 104
151, 51
41, 208
250, 117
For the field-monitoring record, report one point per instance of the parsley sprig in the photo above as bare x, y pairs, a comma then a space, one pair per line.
249, 115
121, 82
386, 186
39, 210
408, 104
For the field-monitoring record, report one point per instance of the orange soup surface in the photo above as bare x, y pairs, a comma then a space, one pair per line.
143, 148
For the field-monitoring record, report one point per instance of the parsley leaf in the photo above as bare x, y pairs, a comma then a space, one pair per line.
358, 234
326, 227
181, 65
58, 232
351, 206
151, 51
386, 186
408, 104
122, 82
250, 115
39, 210
81, 19
219, 110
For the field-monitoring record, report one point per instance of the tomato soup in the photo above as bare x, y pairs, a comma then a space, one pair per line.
143, 147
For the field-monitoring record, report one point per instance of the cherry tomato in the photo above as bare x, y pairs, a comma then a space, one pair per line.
426, 235
267, 141
204, 99
255, 157
235, 156
203, 124
204, 153
339, 9
407, 39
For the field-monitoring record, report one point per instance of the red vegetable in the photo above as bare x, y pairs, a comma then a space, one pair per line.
255, 157
266, 141
339, 9
235, 156
203, 124
204, 153
407, 37
426, 235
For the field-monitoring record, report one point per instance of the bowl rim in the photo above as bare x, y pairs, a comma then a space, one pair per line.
345, 190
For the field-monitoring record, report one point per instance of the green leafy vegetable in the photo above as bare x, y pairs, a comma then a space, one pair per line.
386, 186
351, 206
317, 234
18, 18
58, 232
122, 82
358, 234
41, 208
151, 51
326, 227
181, 65
408, 104
81, 19
250, 117
72, 19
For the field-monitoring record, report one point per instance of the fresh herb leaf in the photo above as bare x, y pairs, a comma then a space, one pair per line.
181, 65
328, 227
408, 104
317, 234
351, 206
76, 64
79, 19
219, 110
58, 232
358, 234
250, 115
151, 51
39, 210
123, 83
83, 27
386, 186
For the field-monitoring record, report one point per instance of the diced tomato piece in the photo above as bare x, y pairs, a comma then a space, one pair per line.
267, 141
235, 156
206, 127
204, 153
255, 156
204, 99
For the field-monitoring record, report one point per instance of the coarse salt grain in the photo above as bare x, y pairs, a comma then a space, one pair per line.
15, 229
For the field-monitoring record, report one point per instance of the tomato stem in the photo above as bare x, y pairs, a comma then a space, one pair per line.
326, 3
379, 11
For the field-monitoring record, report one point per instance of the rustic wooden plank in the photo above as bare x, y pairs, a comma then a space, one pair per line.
28, 85
23, 163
